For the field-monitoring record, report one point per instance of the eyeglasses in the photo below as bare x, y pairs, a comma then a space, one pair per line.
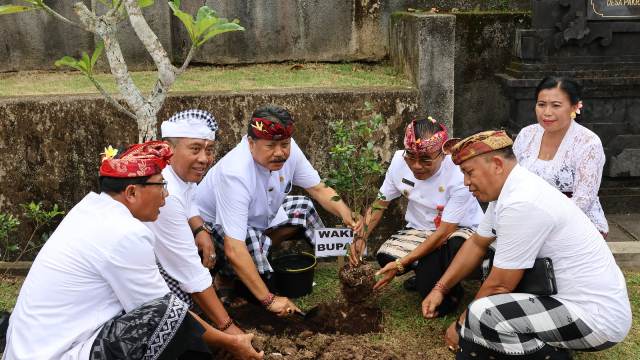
163, 183
422, 160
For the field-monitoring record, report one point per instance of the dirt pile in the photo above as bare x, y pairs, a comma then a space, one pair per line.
309, 346
329, 318
329, 332
357, 283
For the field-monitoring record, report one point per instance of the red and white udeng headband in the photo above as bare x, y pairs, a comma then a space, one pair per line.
270, 130
424, 146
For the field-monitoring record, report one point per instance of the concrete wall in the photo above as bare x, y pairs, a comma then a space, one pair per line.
423, 47
484, 44
452, 59
277, 30
51, 146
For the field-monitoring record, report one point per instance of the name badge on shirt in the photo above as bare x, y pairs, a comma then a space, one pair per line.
408, 182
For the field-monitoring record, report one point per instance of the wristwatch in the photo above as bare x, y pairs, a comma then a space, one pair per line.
206, 227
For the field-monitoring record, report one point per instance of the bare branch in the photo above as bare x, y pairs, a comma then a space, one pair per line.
110, 98
59, 16
87, 18
187, 60
166, 70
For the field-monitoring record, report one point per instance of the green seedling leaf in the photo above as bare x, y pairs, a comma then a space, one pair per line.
186, 19
335, 198
94, 58
145, 3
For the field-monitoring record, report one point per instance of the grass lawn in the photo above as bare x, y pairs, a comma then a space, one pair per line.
212, 78
405, 328
406, 331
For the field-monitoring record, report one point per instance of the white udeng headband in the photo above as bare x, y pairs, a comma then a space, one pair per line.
196, 124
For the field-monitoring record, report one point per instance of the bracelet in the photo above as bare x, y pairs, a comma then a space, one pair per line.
268, 301
226, 325
441, 287
399, 266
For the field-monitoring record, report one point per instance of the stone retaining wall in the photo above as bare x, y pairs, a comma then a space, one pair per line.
277, 30
51, 145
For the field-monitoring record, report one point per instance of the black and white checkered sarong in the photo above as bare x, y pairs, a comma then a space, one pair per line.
301, 212
174, 286
518, 324
406, 240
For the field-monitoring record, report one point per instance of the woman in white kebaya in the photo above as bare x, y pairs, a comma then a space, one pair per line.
564, 153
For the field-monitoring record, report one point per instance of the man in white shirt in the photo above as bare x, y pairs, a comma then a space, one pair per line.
440, 215
94, 290
529, 219
245, 196
191, 135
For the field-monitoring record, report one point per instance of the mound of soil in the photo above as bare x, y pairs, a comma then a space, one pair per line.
357, 282
330, 318
309, 346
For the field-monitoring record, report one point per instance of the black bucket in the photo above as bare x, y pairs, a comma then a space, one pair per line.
294, 274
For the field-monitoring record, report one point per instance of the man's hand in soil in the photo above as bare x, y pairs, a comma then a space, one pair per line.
242, 348
388, 272
205, 246
234, 330
282, 306
430, 303
356, 250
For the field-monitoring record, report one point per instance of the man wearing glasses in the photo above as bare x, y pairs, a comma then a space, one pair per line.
440, 215
94, 290
190, 135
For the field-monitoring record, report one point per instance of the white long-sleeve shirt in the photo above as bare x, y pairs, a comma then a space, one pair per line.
175, 246
98, 263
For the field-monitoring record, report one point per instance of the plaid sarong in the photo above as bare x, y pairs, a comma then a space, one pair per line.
301, 212
143, 333
518, 324
406, 240
174, 286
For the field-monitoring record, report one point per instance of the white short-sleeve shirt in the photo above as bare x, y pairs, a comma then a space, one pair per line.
533, 219
175, 246
96, 264
444, 188
238, 192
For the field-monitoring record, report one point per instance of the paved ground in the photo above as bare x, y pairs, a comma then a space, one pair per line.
624, 239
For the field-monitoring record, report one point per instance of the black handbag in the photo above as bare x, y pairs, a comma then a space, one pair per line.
538, 280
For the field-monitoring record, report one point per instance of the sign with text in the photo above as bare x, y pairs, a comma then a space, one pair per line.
332, 241
613, 9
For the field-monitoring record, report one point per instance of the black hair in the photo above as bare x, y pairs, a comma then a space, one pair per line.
424, 128
113, 185
568, 86
273, 113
